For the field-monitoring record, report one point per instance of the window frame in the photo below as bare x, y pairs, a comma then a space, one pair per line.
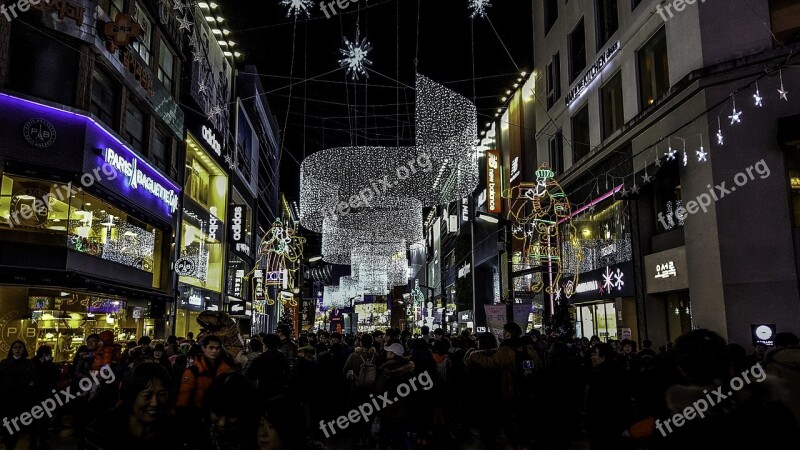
573, 73
553, 80
640, 72
612, 79
603, 36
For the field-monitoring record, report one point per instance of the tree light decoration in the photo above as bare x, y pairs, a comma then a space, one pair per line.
355, 56
478, 7
297, 6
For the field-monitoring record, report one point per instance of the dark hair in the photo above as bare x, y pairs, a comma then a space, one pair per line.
441, 347
287, 417
159, 348
256, 345
93, 336
145, 340
604, 350
272, 341
336, 336
138, 379
487, 341
647, 343
44, 349
284, 330
224, 396
24, 349
366, 340
425, 329
786, 339
702, 356
172, 339
209, 338
629, 342
513, 329
438, 331
190, 335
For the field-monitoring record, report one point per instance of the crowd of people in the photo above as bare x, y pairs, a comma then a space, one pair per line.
521, 391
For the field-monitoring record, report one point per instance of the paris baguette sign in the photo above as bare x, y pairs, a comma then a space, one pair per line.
595, 69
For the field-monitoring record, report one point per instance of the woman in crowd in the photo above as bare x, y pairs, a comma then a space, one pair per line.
142, 419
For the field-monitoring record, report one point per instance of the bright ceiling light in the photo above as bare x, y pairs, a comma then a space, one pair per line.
523, 73
231, 43
227, 53
210, 19
237, 54
220, 19
223, 43
508, 92
226, 31
203, 5
504, 98
216, 31
213, 5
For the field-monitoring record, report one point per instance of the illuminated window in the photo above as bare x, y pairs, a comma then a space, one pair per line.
653, 69
611, 97
204, 254
206, 183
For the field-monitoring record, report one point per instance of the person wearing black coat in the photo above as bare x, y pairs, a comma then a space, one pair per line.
17, 383
609, 409
269, 371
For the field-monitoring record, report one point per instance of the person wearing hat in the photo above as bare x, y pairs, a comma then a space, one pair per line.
395, 417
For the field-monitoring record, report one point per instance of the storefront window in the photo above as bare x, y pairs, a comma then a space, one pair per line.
206, 182
597, 320
669, 209
204, 253
99, 229
34, 205
679, 314
604, 235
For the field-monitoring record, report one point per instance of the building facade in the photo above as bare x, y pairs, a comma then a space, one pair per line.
91, 190
649, 117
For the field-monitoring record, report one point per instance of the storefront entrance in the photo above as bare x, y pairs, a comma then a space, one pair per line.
598, 319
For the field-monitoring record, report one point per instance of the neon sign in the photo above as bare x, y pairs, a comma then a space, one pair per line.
139, 179
584, 82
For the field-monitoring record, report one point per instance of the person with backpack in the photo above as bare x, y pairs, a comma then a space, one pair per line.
517, 362
361, 373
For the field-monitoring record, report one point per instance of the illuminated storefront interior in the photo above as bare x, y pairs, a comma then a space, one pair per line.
202, 231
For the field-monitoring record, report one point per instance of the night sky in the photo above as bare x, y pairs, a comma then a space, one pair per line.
329, 111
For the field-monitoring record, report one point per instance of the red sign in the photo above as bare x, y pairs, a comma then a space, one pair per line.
121, 31
493, 182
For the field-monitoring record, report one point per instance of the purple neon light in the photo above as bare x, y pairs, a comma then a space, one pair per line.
53, 109
595, 201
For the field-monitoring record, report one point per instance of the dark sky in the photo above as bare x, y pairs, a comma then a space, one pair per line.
335, 106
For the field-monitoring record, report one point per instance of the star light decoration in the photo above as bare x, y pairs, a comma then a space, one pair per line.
355, 56
783, 92
670, 153
736, 114
479, 7
758, 98
297, 6
185, 24
720, 140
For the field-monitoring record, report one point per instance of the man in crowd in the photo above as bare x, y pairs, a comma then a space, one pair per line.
198, 378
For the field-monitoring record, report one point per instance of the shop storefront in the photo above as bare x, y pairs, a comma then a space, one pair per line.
373, 313
667, 280
85, 219
201, 265
603, 303
240, 262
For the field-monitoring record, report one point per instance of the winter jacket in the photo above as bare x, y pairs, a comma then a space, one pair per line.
289, 349
196, 380
391, 375
268, 373
504, 360
245, 360
17, 380
784, 363
357, 359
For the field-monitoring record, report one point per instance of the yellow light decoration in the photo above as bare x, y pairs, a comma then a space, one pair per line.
280, 251
541, 217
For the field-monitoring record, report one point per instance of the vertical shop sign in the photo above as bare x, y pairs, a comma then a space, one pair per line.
493, 181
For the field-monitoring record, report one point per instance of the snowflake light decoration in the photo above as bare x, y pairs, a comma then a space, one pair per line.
297, 6
478, 7
618, 283
608, 279
355, 56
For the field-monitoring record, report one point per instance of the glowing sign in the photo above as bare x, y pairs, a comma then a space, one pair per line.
129, 168
493, 180
592, 73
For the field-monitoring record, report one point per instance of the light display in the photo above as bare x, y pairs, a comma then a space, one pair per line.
735, 116
355, 56
783, 92
441, 168
542, 218
758, 98
297, 6
279, 255
332, 297
478, 7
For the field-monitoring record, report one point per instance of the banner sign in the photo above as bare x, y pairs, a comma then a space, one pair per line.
493, 182
496, 317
